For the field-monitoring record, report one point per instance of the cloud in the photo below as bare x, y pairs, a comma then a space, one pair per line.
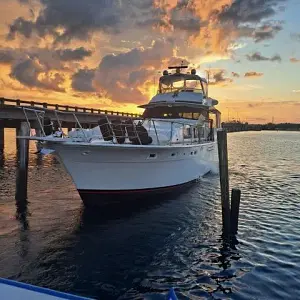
22, 26
234, 74
73, 54
82, 80
219, 78
292, 60
184, 17
50, 58
175, 61
32, 74
258, 57
266, 32
77, 19
122, 76
7, 56
249, 11
253, 74
218, 21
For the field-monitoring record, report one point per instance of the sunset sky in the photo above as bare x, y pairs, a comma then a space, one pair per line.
109, 53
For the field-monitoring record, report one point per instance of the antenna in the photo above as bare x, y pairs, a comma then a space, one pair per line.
208, 77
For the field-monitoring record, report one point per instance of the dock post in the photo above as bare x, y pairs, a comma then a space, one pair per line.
235, 208
224, 181
22, 172
17, 140
1, 136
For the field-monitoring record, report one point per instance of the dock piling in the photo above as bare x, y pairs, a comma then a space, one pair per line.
22, 172
235, 208
224, 181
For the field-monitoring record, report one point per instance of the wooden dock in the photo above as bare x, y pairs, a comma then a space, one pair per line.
12, 115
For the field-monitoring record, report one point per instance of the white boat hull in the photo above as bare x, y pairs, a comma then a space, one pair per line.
102, 172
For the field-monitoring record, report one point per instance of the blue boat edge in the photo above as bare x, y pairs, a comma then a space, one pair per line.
40, 290
60, 295
171, 294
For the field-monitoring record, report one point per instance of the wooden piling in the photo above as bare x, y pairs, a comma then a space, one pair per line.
1, 136
224, 181
22, 172
17, 140
235, 208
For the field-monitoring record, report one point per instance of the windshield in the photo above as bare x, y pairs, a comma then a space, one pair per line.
188, 85
193, 84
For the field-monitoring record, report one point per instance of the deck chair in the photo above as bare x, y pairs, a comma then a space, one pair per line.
106, 129
137, 134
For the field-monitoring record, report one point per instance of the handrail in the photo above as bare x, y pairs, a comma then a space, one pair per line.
64, 108
193, 135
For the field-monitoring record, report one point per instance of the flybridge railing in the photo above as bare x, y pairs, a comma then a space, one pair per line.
64, 108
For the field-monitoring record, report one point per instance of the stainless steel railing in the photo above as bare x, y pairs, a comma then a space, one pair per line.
133, 131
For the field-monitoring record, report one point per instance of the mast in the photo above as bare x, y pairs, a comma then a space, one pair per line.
208, 73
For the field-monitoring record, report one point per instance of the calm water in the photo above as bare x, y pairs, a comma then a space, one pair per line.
139, 252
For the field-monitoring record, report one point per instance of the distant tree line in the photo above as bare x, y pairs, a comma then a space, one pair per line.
281, 126
240, 126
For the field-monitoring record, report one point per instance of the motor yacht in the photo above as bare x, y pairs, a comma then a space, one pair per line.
172, 144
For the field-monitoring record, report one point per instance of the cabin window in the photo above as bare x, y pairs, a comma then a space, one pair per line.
175, 113
196, 116
188, 115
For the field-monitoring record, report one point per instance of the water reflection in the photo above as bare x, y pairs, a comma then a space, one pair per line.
139, 251
22, 213
122, 210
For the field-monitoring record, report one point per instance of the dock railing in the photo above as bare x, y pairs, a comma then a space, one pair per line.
65, 108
